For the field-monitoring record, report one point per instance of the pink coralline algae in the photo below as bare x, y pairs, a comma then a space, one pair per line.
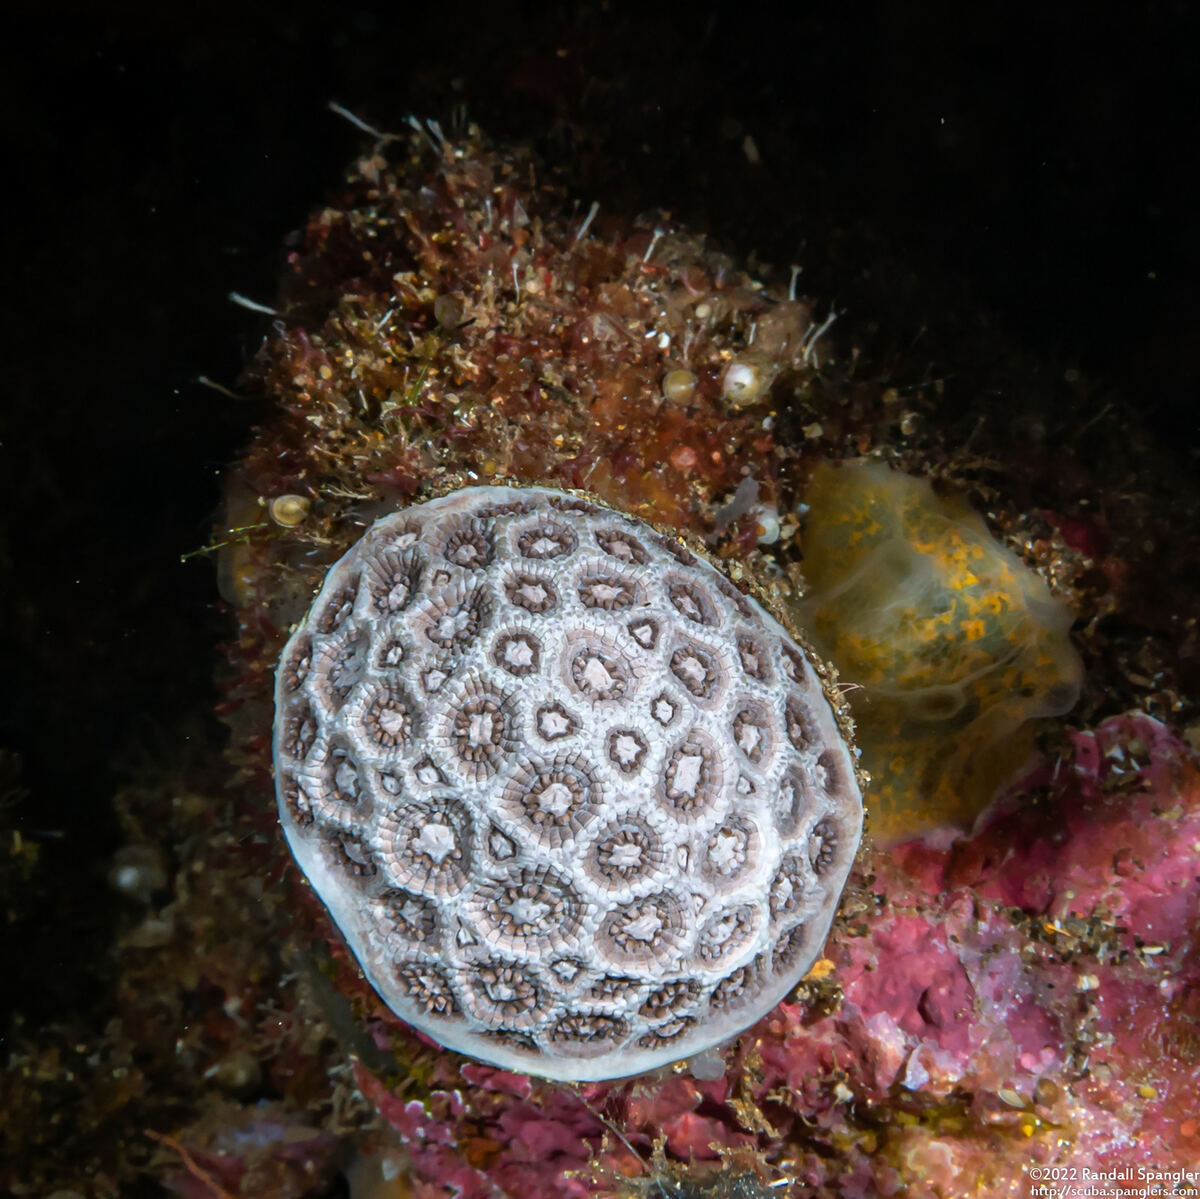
995, 1009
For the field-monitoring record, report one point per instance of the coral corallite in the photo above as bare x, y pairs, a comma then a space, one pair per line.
579, 806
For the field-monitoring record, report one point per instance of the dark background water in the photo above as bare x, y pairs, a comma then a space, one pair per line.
1004, 178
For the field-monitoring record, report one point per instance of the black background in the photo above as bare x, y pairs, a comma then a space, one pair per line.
996, 175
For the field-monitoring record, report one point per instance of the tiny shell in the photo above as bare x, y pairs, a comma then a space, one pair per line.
289, 510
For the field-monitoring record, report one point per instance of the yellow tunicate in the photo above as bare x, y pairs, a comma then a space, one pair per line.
958, 647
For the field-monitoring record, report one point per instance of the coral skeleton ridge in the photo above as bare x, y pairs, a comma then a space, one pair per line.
579, 806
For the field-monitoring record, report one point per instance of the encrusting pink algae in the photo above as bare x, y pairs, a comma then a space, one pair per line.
1011, 982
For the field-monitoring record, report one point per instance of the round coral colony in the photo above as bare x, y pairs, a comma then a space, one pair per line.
579, 807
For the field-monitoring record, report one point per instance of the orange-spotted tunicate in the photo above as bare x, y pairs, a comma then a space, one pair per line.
579, 806
957, 647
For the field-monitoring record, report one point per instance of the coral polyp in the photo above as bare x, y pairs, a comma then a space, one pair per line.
547, 856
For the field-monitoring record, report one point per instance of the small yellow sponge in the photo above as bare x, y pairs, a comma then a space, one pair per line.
958, 647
